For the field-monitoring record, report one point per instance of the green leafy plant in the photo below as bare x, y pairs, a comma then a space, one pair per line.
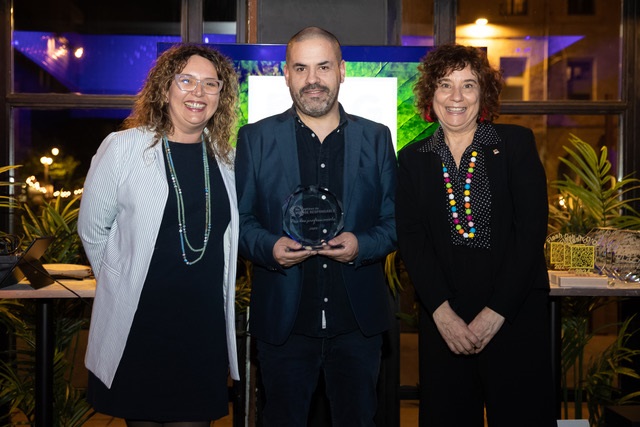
58, 218
243, 285
576, 335
593, 380
594, 198
17, 372
7, 201
391, 273
397, 278
603, 371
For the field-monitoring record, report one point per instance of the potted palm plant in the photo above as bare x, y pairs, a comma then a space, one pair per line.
592, 198
5, 200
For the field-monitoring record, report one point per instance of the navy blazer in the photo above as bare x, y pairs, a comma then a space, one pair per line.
519, 211
267, 172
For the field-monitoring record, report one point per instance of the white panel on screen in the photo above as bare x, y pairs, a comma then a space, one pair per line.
374, 98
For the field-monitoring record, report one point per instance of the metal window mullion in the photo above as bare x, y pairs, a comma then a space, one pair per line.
192, 21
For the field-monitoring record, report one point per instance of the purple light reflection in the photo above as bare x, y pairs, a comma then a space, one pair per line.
118, 64
114, 64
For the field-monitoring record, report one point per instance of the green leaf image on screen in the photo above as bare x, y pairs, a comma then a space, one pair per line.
410, 126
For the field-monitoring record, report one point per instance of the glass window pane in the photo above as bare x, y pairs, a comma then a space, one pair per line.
99, 17
219, 21
417, 23
515, 7
89, 47
220, 10
516, 78
580, 78
555, 43
553, 132
581, 7
76, 134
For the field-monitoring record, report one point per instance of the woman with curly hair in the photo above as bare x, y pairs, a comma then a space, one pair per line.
159, 224
471, 217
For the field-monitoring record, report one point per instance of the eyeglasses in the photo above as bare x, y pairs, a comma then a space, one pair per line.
188, 83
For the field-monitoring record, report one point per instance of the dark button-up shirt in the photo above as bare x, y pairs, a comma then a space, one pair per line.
324, 309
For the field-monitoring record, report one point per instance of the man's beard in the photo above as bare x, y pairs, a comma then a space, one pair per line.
314, 107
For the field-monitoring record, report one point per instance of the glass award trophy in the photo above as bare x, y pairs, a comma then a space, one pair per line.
312, 216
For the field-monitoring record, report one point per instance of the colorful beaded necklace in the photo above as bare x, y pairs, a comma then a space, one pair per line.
455, 213
182, 223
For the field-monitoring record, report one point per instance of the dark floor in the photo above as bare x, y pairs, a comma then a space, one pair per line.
408, 376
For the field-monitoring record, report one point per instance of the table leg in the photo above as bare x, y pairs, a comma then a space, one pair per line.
44, 363
556, 349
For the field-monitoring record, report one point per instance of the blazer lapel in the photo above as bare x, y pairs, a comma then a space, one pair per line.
494, 155
352, 149
285, 141
435, 195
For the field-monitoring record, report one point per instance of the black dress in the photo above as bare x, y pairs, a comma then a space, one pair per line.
175, 363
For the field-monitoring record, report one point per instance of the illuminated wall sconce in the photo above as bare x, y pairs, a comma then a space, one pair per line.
481, 28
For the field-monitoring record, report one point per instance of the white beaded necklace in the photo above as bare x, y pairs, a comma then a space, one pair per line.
182, 223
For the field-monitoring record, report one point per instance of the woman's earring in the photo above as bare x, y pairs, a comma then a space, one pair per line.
483, 116
427, 115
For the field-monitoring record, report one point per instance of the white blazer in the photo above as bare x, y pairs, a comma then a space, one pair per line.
124, 197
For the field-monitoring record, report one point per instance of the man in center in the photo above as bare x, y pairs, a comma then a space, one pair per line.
317, 311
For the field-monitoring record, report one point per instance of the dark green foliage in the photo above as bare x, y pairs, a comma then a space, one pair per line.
58, 218
595, 198
17, 368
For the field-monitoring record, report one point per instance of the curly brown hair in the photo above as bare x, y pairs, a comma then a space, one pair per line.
443, 60
151, 108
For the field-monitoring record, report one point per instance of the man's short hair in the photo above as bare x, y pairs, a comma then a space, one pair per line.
309, 33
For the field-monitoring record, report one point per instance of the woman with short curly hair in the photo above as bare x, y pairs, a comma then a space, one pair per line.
471, 217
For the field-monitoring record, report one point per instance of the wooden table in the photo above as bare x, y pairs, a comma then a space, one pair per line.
45, 338
619, 289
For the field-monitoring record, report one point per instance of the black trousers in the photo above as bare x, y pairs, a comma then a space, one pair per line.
511, 377
350, 364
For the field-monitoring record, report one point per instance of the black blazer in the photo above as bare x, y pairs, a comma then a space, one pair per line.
519, 212
267, 172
